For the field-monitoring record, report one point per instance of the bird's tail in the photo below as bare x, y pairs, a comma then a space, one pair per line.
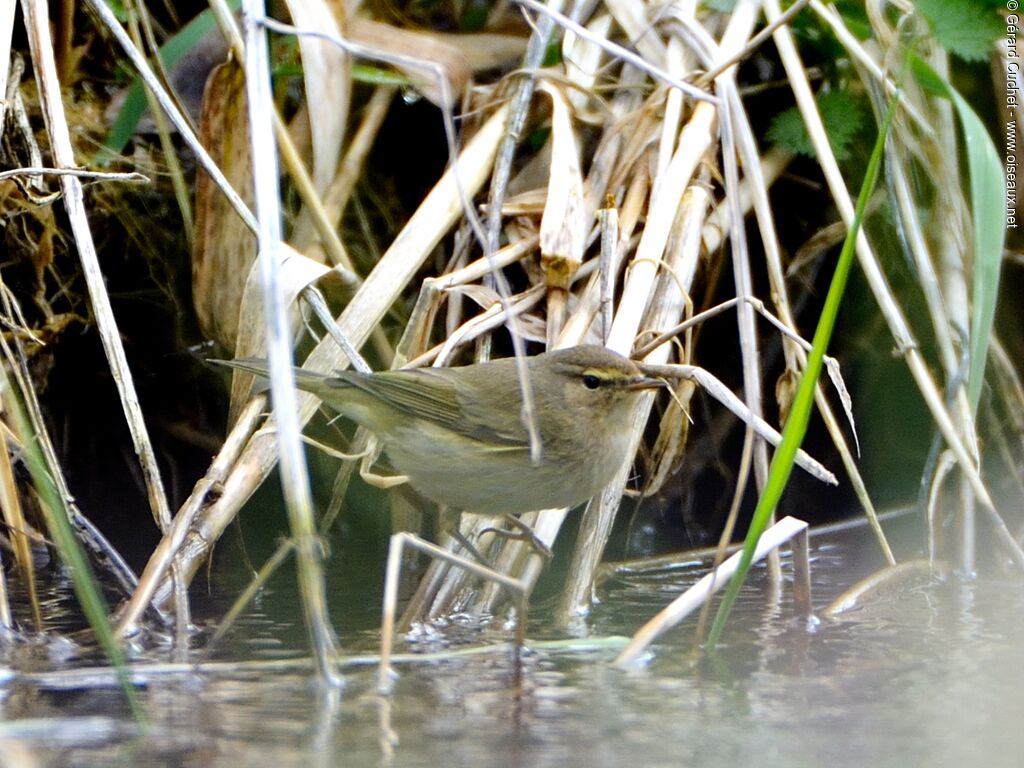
258, 366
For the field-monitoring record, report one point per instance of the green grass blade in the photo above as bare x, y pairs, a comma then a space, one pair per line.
134, 106
800, 414
989, 214
57, 522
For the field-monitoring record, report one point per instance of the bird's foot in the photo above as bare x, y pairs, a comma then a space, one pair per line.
524, 533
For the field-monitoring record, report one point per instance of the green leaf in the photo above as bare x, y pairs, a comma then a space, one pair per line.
788, 132
990, 219
135, 104
967, 28
842, 114
553, 54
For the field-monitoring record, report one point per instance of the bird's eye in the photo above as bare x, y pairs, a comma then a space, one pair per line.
590, 381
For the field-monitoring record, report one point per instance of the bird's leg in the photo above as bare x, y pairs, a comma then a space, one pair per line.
450, 524
525, 533
372, 478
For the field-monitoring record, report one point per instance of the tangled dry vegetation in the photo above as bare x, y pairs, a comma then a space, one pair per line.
604, 179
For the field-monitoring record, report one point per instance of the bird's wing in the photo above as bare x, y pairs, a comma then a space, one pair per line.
428, 394
416, 393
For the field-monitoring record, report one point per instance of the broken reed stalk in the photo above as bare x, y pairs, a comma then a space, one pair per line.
785, 530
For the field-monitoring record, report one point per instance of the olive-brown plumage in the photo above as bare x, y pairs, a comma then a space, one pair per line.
458, 433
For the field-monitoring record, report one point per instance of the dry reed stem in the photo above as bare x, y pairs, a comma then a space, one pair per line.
725, 396
63, 153
338, 192
298, 495
693, 598
64, 156
756, 185
950, 315
734, 40
185, 535
327, 78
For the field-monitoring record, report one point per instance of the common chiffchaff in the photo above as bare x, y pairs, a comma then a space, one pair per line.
458, 433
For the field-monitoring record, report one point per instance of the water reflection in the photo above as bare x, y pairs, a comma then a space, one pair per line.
928, 676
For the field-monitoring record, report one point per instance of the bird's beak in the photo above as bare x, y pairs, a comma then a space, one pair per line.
645, 382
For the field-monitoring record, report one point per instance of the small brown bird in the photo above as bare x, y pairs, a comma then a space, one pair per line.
458, 433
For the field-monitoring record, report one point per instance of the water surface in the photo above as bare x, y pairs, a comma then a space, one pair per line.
929, 675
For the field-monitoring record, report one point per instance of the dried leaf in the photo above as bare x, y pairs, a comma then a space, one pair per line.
438, 57
296, 272
225, 248
832, 366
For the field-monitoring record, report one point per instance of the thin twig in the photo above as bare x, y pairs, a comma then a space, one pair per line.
131, 177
